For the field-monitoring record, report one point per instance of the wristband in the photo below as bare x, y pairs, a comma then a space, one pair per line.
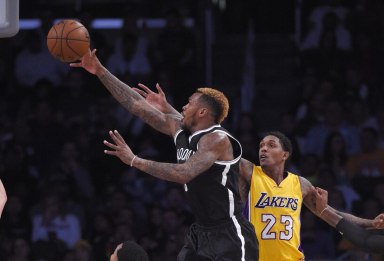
134, 157
321, 213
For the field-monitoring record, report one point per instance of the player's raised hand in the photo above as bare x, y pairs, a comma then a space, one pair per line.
120, 149
157, 100
89, 62
321, 199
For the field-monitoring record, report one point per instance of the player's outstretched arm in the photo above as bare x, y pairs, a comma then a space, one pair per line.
362, 238
3, 197
211, 147
129, 98
309, 200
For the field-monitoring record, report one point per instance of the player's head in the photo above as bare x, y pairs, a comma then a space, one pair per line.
216, 101
129, 251
274, 148
205, 105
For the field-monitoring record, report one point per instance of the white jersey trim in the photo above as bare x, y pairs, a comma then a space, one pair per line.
241, 237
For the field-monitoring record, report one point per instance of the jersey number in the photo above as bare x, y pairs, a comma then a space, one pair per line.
270, 221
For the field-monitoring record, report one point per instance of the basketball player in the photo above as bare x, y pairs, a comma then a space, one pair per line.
3, 197
274, 197
367, 240
208, 166
129, 251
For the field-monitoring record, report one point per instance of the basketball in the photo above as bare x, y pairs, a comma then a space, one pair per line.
68, 40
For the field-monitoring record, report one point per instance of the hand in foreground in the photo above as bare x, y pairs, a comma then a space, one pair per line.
89, 62
120, 149
378, 222
157, 100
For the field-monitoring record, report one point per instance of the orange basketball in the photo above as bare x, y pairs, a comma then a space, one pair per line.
68, 40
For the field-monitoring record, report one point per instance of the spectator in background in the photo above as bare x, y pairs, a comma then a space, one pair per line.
20, 250
101, 232
316, 240
72, 168
83, 251
174, 49
331, 15
335, 156
54, 222
47, 133
130, 59
366, 168
361, 116
369, 162
75, 101
26, 71
334, 120
16, 218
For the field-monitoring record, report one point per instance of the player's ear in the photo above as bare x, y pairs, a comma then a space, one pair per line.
286, 155
203, 111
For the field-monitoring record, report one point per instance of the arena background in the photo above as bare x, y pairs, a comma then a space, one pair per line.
311, 69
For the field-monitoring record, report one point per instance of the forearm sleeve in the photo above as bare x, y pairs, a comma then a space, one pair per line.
362, 238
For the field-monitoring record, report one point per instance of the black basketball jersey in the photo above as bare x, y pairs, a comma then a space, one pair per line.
214, 194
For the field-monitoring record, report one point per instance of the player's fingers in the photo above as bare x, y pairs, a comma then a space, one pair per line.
114, 138
109, 152
321, 191
145, 88
119, 137
159, 90
141, 92
111, 145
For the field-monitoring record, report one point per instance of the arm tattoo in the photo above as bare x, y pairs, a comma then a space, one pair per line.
121, 91
166, 171
366, 223
136, 104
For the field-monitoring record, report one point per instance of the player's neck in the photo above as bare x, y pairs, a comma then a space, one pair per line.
275, 172
202, 125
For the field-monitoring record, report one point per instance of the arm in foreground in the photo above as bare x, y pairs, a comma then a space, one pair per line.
211, 146
309, 201
246, 170
127, 96
365, 239
3, 197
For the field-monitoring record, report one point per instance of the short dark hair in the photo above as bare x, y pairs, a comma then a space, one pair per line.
217, 101
131, 251
285, 142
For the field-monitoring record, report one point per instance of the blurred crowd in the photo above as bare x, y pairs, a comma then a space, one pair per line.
68, 201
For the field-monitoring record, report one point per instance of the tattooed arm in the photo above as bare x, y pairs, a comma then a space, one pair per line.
246, 170
128, 97
212, 147
368, 240
309, 200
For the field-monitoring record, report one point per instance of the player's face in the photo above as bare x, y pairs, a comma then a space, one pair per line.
190, 111
271, 152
